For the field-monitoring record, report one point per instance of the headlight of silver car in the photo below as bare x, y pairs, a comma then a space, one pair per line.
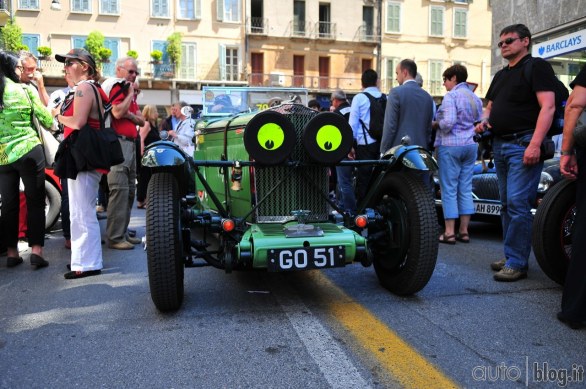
544, 182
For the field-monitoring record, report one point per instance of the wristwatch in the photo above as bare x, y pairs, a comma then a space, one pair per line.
567, 152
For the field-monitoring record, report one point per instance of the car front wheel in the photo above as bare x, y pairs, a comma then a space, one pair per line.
164, 243
405, 242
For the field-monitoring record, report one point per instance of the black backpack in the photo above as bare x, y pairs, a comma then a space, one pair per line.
561, 96
377, 116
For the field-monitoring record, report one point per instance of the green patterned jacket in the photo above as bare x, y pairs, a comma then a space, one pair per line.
17, 134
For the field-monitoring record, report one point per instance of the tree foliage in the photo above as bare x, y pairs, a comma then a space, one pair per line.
11, 37
94, 43
174, 47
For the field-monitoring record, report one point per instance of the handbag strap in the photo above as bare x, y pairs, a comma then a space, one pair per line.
33, 114
98, 100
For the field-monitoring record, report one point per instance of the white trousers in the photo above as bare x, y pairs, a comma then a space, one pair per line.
86, 239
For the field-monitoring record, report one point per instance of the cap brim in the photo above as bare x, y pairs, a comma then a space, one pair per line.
60, 58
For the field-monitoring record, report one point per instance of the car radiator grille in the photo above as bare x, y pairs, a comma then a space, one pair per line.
292, 188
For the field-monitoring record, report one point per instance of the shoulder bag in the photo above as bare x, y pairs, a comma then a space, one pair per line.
96, 148
50, 144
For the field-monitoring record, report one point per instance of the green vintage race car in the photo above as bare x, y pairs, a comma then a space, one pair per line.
257, 188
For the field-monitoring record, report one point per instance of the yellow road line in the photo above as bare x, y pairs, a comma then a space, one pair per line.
402, 362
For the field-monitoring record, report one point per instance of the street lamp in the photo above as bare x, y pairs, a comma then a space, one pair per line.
55, 5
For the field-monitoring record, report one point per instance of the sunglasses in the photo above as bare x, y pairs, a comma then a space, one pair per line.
69, 63
508, 41
131, 71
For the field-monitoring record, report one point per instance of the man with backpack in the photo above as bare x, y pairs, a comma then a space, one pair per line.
366, 117
519, 114
409, 110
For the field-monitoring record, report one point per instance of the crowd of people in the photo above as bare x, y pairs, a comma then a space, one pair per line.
86, 97
517, 112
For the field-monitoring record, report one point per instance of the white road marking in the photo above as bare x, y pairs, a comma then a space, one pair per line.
333, 362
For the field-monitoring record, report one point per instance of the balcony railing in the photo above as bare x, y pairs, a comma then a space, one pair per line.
300, 29
317, 83
325, 30
147, 70
367, 34
257, 26
4, 12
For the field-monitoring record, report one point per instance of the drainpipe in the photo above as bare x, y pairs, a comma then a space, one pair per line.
379, 43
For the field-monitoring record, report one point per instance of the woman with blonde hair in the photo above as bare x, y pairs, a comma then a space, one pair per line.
149, 133
79, 108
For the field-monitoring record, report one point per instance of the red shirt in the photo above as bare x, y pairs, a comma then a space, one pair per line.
94, 123
124, 127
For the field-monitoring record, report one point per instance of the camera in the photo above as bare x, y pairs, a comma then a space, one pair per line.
483, 137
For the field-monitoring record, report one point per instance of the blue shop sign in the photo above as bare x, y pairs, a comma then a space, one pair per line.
559, 46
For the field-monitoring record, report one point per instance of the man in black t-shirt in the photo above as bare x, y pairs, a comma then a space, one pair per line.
519, 113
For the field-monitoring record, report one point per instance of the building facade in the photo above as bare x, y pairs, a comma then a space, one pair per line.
319, 45
558, 31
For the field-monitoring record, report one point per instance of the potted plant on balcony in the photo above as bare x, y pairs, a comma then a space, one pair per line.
93, 44
156, 57
104, 55
44, 53
132, 54
174, 52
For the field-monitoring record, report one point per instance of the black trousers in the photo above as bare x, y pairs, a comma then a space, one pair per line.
31, 169
574, 297
143, 182
363, 173
65, 222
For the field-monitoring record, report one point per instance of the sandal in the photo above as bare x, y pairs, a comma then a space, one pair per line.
71, 275
464, 238
447, 239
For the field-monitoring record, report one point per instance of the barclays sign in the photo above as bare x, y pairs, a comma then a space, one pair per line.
559, 46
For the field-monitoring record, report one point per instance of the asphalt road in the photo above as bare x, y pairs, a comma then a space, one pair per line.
334, 328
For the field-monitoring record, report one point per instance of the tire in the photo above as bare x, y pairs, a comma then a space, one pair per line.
52, 205
164, 242
405, 245
552, 230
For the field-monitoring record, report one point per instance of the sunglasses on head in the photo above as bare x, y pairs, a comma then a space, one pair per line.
507, 41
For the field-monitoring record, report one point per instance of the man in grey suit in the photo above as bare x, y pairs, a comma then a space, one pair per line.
409, 110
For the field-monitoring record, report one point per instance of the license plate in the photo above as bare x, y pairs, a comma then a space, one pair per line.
306, 258
488, 208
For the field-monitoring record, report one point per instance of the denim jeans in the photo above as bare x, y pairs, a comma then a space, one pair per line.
456, 166
518, 190
346, 188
